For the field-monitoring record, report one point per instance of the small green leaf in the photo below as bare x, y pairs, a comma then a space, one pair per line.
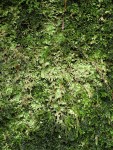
58, 94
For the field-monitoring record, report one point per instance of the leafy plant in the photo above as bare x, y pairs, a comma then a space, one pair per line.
56, 75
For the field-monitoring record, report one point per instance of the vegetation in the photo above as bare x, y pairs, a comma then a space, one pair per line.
56, 73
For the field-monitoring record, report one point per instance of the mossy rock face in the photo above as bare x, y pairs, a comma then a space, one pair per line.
56, 75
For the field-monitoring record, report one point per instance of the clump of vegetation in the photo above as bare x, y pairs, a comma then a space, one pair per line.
56, 66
